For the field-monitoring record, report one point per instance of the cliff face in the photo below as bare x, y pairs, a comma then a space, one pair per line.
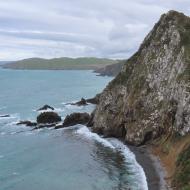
151, 93
149, 100
150, 97
111, 70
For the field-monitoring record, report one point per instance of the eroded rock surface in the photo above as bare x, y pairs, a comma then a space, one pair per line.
48, 118
74, 119
151, 95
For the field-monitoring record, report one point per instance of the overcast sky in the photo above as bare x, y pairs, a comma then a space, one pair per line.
77, 28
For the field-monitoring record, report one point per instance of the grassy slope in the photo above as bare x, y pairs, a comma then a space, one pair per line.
174, 152
60, 63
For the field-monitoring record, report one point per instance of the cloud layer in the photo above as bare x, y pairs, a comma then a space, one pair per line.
75, 28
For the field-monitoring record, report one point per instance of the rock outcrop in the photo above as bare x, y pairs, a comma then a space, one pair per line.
45, 107
27, 123
150, 97
94, 100
74, 119
151, 93
48, 118
82, 102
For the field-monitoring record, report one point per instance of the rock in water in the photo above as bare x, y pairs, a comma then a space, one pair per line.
94, 100
74, 119
5, 115
48, 118
151, 94
27, 123
45, 107
82, 102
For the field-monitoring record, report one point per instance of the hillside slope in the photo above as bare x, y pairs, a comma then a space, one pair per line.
111, 70
149, 100
83, 63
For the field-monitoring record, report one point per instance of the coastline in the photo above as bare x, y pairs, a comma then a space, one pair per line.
154, 171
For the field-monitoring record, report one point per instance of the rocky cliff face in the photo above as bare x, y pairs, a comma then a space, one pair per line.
110, 70
150, 96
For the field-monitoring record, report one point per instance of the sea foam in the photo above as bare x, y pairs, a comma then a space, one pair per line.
115, 144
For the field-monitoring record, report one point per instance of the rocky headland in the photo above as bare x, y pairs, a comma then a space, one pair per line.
148, 103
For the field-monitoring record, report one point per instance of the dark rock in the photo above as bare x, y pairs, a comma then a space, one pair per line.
5, 115
48, 118
45, 107
82, 102
119, 132
94, 100
27, 123
74, 119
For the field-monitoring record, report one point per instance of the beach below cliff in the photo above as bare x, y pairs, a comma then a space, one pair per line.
152, 166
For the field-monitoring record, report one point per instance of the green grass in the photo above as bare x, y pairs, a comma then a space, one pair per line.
61, 63
182, 178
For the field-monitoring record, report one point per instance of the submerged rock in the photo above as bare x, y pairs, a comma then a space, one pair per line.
27, 123
7, 115
45, 107
74, 119
48, 118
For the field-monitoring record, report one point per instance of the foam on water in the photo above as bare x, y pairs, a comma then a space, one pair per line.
115, 144
88, 134
59, 110
135, 166
69, 106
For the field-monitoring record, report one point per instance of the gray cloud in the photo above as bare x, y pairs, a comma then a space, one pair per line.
46, 28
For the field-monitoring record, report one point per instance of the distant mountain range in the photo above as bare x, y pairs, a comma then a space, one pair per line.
65, 63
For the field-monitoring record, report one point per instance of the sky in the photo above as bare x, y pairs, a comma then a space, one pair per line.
78, 28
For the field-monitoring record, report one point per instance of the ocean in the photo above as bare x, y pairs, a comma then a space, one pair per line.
73, 158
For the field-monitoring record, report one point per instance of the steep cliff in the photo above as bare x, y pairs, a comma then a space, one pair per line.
150, 98
110, 70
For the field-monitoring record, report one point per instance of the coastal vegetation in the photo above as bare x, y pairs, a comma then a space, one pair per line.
64, 63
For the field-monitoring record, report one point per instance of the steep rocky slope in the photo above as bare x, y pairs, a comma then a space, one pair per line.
111, 70
149, 100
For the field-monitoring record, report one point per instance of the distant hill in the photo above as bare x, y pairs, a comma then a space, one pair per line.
4, 62
83, 63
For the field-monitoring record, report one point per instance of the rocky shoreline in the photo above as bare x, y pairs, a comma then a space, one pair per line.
148, 103
151, 165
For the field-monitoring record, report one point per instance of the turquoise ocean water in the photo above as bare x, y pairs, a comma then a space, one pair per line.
65, 159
